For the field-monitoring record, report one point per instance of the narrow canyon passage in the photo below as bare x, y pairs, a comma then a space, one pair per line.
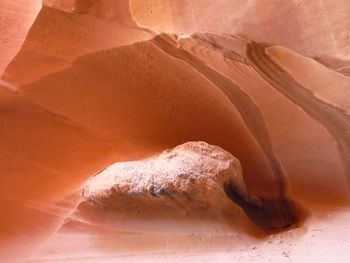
174, 131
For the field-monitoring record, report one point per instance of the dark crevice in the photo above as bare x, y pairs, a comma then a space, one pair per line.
269, 214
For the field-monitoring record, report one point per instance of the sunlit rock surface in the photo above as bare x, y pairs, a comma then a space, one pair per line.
89, 83
185, 182
16, 19
194, 172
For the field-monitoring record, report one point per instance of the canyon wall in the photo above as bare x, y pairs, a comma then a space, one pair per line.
86, 84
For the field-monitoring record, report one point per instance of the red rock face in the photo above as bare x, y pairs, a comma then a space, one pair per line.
312, 28
85, 84
16, 19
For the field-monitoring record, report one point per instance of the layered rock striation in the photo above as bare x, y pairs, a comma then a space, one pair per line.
87, 84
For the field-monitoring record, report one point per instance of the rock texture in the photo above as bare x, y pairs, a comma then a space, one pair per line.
193, 177
88, 83
185, 182
192, 174
313, 28
16, 19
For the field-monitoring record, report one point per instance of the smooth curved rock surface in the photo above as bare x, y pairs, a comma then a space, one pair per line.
312, 28
99, 82
16, 19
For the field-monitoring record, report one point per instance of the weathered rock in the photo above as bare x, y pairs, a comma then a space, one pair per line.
110, 9
191, 178
100, 82
190, 175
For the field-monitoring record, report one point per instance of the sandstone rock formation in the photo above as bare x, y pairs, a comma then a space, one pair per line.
16, 19
193, 178
88, 83
187, 181
191, 174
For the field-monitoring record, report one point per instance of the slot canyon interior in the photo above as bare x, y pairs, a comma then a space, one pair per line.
174, 131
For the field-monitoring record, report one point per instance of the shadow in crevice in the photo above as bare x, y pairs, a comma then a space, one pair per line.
269, 214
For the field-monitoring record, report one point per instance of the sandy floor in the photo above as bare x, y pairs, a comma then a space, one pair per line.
324, 238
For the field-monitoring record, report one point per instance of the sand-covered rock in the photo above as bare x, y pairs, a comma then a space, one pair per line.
192, 179
190, 176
